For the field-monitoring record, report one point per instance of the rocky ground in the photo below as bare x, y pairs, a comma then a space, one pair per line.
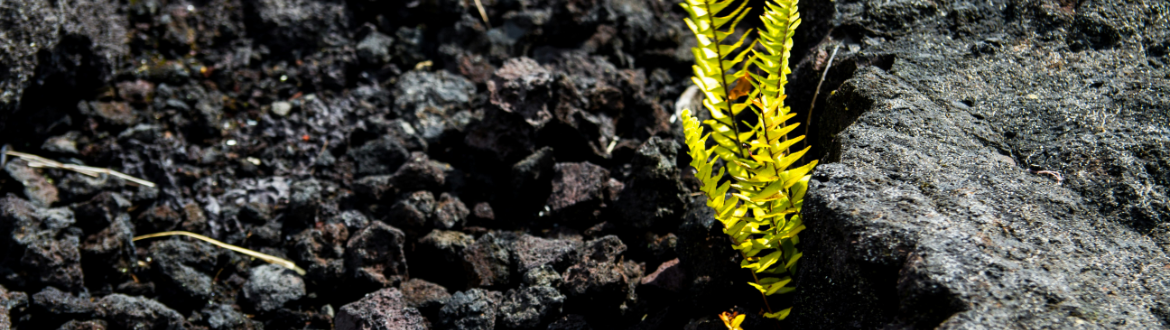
986, 164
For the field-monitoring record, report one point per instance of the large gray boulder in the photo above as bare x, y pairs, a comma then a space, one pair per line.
989, 167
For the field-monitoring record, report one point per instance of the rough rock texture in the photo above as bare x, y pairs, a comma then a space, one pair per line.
270, 287
601, 278
11, 302
126, 312
321, 252
63, 304
534, 252
74, 42
375, 257
430, 101
380, 156
523, 87
36, 187
471, 309
579, 191
299, 24
224, 317
450, 212
444, 250
529, 307
422, 294
382, 310
186, 270
992, 180
655, 194
38, 252
489, 260
985, 164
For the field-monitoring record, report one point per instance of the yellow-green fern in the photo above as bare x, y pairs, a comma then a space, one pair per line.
758, 192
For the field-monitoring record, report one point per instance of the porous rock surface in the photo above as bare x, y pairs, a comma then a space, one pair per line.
435, 164
1010, 177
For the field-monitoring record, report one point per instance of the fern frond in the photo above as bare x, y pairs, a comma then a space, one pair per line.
716, 57
759, 206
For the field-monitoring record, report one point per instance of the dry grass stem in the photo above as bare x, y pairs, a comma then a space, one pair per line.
482, 13
269, 258
829, 64
42, 162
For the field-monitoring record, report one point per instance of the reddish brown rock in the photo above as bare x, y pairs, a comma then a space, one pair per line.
375, 257
382, 310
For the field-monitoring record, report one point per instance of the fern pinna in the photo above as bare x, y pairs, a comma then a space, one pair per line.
758, 192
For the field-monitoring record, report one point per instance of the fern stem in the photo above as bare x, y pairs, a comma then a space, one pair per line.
723, 73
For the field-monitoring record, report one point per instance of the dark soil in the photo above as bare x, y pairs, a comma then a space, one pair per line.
429, 169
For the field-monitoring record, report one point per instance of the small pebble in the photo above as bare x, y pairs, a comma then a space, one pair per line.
281, 108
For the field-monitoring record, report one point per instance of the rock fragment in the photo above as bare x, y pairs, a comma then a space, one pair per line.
375, 257
384, 309
271, 287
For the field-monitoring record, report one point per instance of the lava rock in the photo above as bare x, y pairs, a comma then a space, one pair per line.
224, 317
64, 305
570, 322
601, 278
483, 212
36, 187
379, 188
374, 49
270, 287
9, 302
471, 309
322, 251
655, 193
305, 200
57, 262
126, 312
84, 325
36, 252
184, 268
501, 137
532, 181
449, 212
157, 218
444, 251
534, 252
959, 210
100, 211
108, 249
544, 275
414, 211
62, 144
352, 220
38, 31
380, 156
114, 113
429, 100
409, 50
529, 307
382, 310
488, 261
421, 173
421, 294
523, 87
301, 25
375, 257
51, 48
704, 252
578, 191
